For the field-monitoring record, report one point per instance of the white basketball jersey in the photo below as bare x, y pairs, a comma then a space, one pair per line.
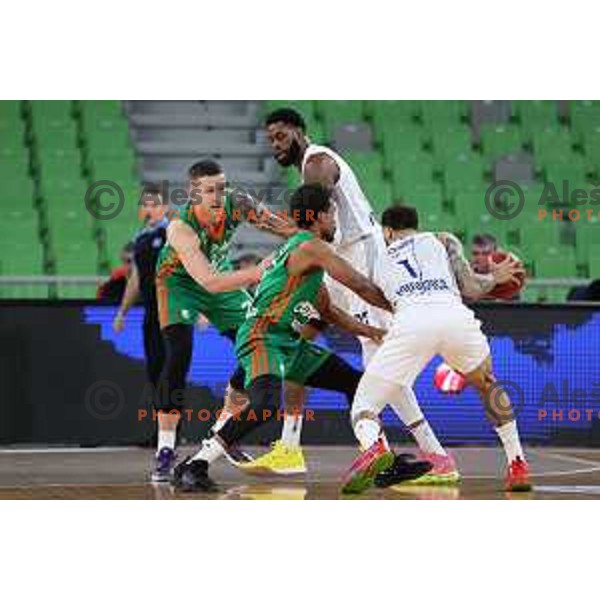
417, 270
354, 214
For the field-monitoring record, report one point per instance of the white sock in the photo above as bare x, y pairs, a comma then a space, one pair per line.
292, 429
405, 405
367, 432
210, 451
426, 439
166, 438
223, 417
167, 431
509, 436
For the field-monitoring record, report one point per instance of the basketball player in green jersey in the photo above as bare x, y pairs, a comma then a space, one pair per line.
194, 277
269, 345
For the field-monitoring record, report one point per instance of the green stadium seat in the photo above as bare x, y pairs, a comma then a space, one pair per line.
59, 168
59, 187
14, 167
437, 114
111, 154
75, 257
97, 139
500, 140
574, 172
123, 174
401, 143
408, 174
584, 116
594, 262
379, 194
449, 142
464, 172
22, 257
109, 109
587, 237
535, 115
438, 221
535, 234
555, 262
12, 131
427, 198
51, 110
17, 190
13, 151
366, 165
591, 148
338, 112
552, 145
470, 201
391, 114
10, 109
64, 136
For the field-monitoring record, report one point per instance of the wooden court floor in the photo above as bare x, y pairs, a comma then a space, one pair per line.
121, 474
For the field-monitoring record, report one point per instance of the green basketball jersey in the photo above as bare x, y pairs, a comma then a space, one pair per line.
215, 249
284, 303
181, 298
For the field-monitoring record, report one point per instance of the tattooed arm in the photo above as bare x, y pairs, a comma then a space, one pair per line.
258, 214
474, 285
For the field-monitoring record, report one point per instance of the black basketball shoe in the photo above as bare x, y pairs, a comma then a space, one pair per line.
404, 468
192, 476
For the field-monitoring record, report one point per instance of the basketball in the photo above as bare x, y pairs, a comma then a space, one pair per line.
507, 291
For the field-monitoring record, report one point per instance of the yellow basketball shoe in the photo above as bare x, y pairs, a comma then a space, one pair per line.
281, 460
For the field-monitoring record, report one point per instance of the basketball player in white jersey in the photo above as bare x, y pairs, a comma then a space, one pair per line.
359, 240
424, 277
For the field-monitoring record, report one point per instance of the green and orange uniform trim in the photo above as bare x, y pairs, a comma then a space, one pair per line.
269, 341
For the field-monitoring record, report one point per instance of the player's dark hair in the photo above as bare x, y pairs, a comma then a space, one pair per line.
307, 202
400, 216
205, 168
289, 116
151, 189
485, 239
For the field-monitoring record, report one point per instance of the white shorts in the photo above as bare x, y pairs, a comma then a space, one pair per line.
420, 332
362, 255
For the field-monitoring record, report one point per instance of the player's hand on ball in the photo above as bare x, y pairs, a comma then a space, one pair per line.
508, 270
376, 334
118, 323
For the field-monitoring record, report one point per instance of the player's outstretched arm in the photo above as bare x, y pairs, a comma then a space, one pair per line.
130, 297
258, 214
334, 315
474, 285
321, 255
185, 241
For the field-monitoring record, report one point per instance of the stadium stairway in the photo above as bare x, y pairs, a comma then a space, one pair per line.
169, 136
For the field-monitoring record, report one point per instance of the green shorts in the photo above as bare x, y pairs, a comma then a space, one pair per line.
292, 359
182, 300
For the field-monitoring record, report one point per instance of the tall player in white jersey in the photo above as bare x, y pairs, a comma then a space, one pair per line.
359, 240
424, 277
